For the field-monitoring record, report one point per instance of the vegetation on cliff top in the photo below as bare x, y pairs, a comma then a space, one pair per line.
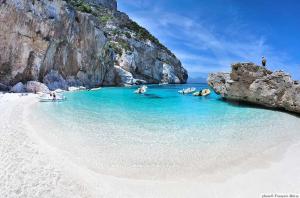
143, 34
80, 5
105, 15
119, 45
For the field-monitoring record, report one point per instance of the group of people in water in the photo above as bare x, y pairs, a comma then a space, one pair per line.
203, 92
141, 90
53, 95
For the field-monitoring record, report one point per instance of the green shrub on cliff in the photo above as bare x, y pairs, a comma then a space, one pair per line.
105, 18
141, 32
128, 35
119, 45
104, 15
117, 49
124, 44
80, 5
144, 34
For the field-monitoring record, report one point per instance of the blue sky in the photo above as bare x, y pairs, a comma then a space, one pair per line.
209, 35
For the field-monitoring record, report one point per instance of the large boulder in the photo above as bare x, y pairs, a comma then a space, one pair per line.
169, 74
255, 84
123, 77
18, 88
218, 81
35, 87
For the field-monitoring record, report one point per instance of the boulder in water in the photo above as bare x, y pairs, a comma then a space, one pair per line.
255, 84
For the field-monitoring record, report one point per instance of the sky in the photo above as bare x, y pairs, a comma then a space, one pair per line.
209, 35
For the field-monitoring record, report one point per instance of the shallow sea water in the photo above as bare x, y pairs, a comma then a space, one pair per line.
161, 135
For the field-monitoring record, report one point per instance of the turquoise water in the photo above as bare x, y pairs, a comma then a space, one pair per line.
161, 134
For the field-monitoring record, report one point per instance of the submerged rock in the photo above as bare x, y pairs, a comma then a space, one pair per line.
35, 87
255, 84
79, 43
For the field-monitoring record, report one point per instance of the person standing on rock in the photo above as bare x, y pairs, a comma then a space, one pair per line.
264, 61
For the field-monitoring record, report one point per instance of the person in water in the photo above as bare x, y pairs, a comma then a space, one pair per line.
264, 61
200, 93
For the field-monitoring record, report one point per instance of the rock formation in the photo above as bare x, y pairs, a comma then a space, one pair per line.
35, 87
18, 88
79, 43
255, 84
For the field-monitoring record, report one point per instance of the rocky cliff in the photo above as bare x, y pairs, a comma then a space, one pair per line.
255, 84
79, 43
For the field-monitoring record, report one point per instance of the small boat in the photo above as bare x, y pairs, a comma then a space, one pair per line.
59, 91
197, 93
187, 90
164, 83
73, 88
82, 88
96, 89
141, 90
50, 98
203, 92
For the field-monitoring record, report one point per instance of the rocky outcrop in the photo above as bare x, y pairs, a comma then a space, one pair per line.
123, 76
18, 88
79, 43
35, 87
54, 81
255, 84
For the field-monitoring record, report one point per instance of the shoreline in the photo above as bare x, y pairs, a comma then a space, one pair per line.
32, 168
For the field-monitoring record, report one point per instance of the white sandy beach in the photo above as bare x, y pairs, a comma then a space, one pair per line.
29, 167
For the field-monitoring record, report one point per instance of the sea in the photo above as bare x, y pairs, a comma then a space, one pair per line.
162, 135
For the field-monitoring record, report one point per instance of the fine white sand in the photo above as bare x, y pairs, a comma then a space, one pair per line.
29, 167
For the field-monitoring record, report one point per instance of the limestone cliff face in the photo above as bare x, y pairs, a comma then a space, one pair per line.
256, 84
79, 42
